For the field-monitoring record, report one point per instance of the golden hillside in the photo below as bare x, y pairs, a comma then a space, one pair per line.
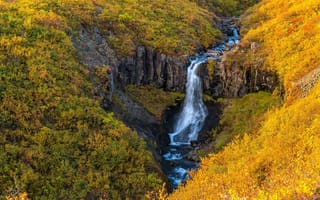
281, 160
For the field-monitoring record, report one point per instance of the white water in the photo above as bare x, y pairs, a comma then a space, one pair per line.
178, 175
194, 111
192, 117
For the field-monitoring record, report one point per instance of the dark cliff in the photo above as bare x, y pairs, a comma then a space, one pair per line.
146, 66
231, 77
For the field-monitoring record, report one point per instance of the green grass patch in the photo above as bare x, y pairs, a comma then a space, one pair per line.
242, 116
153, 99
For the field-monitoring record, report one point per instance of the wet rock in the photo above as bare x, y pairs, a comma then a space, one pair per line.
213, 53
193, 156
195, 143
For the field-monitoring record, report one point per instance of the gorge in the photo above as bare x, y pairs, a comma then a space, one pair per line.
171, 73
147, 66
161, 100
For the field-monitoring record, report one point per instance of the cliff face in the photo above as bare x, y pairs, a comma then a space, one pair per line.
146, 66
232, 78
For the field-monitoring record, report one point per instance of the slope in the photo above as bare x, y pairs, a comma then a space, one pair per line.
56, 141
281, 159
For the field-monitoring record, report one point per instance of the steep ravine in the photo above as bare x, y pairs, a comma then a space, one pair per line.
148, 66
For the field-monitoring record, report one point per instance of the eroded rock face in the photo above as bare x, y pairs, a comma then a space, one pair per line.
146, 66
233, 79
307, 82
151, 67
94, 52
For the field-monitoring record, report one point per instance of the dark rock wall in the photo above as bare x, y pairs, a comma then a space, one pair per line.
148, 66
151, 67
233, 79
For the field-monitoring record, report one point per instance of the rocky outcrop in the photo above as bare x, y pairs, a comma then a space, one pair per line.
234, 73
223, 24
148, 66
135, 116
145, 66
234, 78
307, 82
94, 52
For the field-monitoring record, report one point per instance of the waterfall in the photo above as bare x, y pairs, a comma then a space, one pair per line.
191, 119
194, 112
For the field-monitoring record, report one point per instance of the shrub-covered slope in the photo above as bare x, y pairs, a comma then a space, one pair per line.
171, 27
281, 159
55, 140
227, 7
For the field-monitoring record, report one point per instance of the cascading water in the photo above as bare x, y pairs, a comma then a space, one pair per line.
192, 116
194, 111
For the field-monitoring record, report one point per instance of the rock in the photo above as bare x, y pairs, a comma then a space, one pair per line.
148, 66
193, 156
214, 52
145, 66
94, 52
230, 45
239, 80
231, 79
194, 143
307, 82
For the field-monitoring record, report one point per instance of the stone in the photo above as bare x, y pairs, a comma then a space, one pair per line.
193, 156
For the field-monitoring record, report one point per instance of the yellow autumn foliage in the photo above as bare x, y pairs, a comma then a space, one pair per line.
289, 35
281, 160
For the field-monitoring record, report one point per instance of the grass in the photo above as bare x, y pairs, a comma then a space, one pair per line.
153, 99
242, 116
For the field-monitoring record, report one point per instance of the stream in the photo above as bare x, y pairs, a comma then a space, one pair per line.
189, 121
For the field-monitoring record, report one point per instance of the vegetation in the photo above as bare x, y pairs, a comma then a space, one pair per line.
210, 68
280, 161
242, 116
227, 7
56, 142
280, 158
156, 100
153, 99
175, 27
288, 35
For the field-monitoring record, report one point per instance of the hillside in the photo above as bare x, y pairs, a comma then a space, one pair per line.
280, 159
65, 65
56, 140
